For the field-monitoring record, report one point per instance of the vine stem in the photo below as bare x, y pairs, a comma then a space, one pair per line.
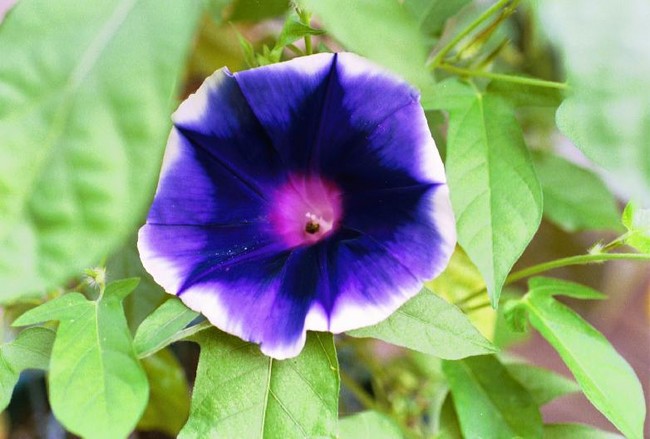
575, 260
436, 60
559, 263
501, 77
305, 18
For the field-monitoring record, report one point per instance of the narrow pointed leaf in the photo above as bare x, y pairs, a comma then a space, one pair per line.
84, 118
429, 324
495, 193
97, 387
557, 287
241, 393
294, 30
605, 377
169, 318
489, 402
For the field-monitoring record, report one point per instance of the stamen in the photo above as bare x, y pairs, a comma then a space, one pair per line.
312, 227
306, 210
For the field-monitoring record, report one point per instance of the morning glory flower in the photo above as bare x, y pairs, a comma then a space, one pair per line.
304, 195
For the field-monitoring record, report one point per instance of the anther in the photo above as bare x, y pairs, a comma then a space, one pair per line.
312, 227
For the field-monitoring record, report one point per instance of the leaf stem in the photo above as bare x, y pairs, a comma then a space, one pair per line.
501, 77
436, 60
473, 295
305, 18
575, 260
615, 243
478, 307
180, 335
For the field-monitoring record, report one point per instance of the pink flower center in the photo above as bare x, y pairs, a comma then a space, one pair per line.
305, 210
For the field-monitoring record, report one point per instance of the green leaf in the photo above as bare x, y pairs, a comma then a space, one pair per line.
153, 334
543, 385
256, 10
429, 324
495, 193
524, 95
247, 50
30, 350
449, 427
241, 393
433, 14
605, 377
515, 315
84, 119
577, 431
169, 396
574, 197
637, 223
608, 114
489, 402
557, 287
294, 30
381, 30
462, 282
97, 387
369, 424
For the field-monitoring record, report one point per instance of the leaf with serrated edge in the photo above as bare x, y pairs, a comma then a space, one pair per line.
494, 191
169, 318
241, 393
84, 117
97, 387
489, 402
30, 350
429, 324
605, 377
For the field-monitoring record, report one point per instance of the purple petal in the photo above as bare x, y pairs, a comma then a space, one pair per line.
219, 161
306, 195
